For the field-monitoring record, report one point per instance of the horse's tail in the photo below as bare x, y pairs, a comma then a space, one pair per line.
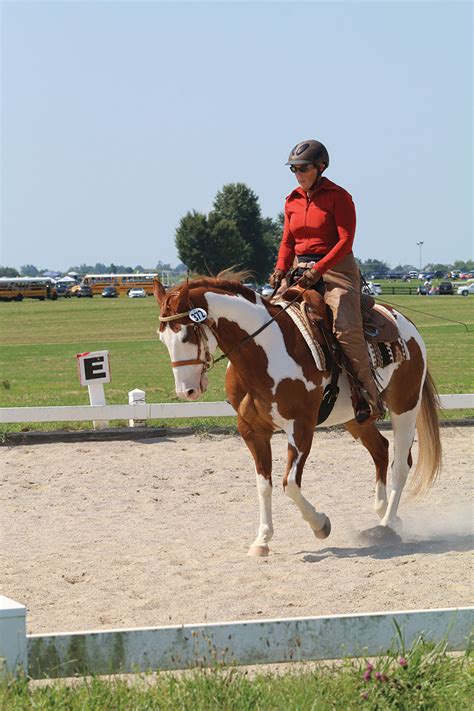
428, 465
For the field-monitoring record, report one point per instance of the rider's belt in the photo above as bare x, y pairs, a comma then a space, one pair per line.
307, 261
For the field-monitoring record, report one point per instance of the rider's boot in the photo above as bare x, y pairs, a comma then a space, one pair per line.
368, 404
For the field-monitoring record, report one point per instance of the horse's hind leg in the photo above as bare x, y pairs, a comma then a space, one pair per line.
403, 435
377, 446
299, 444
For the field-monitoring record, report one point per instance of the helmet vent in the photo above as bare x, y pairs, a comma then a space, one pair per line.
299, 149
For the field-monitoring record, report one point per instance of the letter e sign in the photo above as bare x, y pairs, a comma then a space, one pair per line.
93, 367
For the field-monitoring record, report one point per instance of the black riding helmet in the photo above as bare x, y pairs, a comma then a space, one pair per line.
308, 152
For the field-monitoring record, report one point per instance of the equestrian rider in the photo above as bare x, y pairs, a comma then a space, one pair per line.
319, 230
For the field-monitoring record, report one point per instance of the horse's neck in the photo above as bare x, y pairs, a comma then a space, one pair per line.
238, 314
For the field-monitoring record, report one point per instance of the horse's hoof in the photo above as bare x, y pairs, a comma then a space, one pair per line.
397, 525
324, 531
379, 535
258, 551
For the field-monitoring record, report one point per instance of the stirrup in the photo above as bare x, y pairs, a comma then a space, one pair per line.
362, 411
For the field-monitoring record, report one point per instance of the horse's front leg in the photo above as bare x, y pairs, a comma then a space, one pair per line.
258, 442
300, 438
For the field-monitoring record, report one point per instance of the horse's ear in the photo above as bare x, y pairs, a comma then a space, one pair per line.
184, 297
158, 290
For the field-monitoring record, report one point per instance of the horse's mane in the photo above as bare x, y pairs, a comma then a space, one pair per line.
227, 280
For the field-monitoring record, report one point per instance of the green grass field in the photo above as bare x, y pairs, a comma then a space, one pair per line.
40, 340
424, 678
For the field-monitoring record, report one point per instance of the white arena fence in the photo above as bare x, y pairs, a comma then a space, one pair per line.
138, 410
143, 649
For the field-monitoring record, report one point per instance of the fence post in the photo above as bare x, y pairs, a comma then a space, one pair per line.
97, 397
13, 654
134, 397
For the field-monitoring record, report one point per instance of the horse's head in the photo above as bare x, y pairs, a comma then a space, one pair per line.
186, 331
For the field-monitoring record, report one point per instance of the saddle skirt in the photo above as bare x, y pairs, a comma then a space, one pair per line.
384, 343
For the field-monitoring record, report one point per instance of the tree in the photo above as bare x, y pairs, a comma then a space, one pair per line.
233, 234
464, 266
272, 234
29, 270
9, 272
205, 249
374, 266
239, 204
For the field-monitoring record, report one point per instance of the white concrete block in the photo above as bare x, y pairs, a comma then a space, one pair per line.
13, 649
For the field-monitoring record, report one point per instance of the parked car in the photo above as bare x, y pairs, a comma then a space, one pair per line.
466, 289
63, 289
110, 292
137, 293
373, 288
83, 290
266, 290
445, 287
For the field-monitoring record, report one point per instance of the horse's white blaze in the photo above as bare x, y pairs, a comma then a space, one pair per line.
190, 380
250, 318
265, 529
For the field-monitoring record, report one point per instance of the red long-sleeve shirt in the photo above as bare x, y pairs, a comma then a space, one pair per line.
322, 224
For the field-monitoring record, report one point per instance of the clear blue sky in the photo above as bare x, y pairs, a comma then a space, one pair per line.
119, 117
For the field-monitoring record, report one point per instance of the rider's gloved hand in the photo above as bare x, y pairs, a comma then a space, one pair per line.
276, 278
309, 278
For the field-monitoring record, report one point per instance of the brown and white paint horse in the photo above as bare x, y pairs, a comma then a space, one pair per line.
273, 384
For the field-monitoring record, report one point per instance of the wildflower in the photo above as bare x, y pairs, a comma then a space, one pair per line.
364, 695
367, 675
369, 667
402, 661
378, 676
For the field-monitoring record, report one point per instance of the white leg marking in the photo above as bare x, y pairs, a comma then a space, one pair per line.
265, 529
380, 501
404, 432
315, 519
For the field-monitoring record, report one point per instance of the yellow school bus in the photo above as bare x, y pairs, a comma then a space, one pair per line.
19, 288
122, 282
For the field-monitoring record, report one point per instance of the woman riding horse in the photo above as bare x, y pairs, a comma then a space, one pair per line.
319, 230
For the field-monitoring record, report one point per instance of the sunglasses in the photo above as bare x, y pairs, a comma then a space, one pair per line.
301, 168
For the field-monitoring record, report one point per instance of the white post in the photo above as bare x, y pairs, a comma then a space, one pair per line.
97, 397
94, 371
13, 656
134, 397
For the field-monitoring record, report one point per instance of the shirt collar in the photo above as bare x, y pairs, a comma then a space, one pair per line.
325, 184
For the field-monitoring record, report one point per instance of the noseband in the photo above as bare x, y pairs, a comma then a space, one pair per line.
202, 340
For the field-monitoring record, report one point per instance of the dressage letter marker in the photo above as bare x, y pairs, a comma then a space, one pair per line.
94, 371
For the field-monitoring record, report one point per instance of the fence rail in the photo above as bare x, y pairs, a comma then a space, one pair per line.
247, 642
157, 411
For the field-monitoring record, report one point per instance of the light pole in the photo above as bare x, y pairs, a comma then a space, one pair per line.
420, 244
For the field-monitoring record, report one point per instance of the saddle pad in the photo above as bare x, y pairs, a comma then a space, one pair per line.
383, 354
317, 352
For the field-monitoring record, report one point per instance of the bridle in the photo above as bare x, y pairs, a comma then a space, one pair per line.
202, 341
